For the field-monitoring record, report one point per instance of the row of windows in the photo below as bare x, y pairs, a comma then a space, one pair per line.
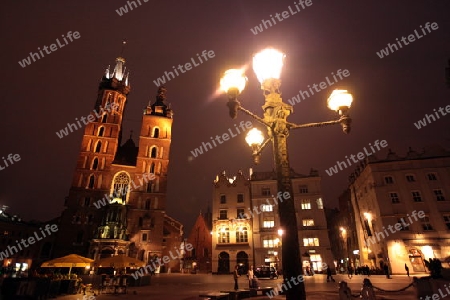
240, 199
121, 184
305, 205
224, 235
302, 189
410, 178
417, 197
271, 242
425, 223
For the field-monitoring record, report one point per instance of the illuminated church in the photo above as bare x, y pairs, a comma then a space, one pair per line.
117, 199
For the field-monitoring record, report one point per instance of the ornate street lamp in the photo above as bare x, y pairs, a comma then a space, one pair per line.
267, 65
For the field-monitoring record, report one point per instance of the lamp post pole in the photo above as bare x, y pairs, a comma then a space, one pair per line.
267, 65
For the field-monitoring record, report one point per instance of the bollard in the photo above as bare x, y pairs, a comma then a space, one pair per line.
367, 292
344, 291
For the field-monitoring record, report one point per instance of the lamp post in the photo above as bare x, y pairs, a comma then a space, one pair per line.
346, 253
267, 65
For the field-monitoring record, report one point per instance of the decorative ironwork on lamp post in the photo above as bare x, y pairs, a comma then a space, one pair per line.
267, 65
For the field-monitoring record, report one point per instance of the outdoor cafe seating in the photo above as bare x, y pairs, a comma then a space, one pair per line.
114, 285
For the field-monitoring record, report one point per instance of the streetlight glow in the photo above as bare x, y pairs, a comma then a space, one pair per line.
254, 137
267, 64
233, 79
338, 99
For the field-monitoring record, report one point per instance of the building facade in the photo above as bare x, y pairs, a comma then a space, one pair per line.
18, 257
116, 203
402, 209
200, 237
246, 226
232, 241
311, 221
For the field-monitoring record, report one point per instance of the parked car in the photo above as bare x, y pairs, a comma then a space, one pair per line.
266, 272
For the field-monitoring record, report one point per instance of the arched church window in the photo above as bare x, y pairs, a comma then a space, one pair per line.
98, 147
153, 152
95, 164
101, 131
121, 186
156, 132
91, 181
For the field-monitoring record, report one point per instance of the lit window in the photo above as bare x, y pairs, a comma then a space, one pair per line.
303, 189
268, 222
388, 180
223, 214
224, 235
223, 199
426, 225
410, 178
121, 186
308, 222
319, 203
394, 198
269, 243
240, 198
439, 195
265, 191
306, 204
241, 235
416, 196
267, 207
310, 242
432, 176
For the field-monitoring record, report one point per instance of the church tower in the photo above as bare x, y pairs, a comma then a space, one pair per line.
116, 204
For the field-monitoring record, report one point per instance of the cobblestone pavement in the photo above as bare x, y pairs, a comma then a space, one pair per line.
188, 287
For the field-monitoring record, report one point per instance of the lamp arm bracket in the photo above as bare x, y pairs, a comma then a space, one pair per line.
309, 125
259, 119
263, 145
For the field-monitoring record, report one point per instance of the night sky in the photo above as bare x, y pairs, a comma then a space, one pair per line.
390, 93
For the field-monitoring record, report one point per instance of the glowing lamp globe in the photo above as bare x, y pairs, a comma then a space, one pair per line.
254, 137
267, 64
233, 79
339, 99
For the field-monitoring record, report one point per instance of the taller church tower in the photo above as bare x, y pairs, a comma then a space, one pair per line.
116, 204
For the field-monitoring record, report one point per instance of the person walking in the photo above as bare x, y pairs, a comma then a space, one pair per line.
329, 276
350, 272
236, 276
407, 269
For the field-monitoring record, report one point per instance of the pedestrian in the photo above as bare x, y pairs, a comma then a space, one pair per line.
407, 269
252, 282
386, 271
236, 276
350, 272
329, 276
367, 292
345, 293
